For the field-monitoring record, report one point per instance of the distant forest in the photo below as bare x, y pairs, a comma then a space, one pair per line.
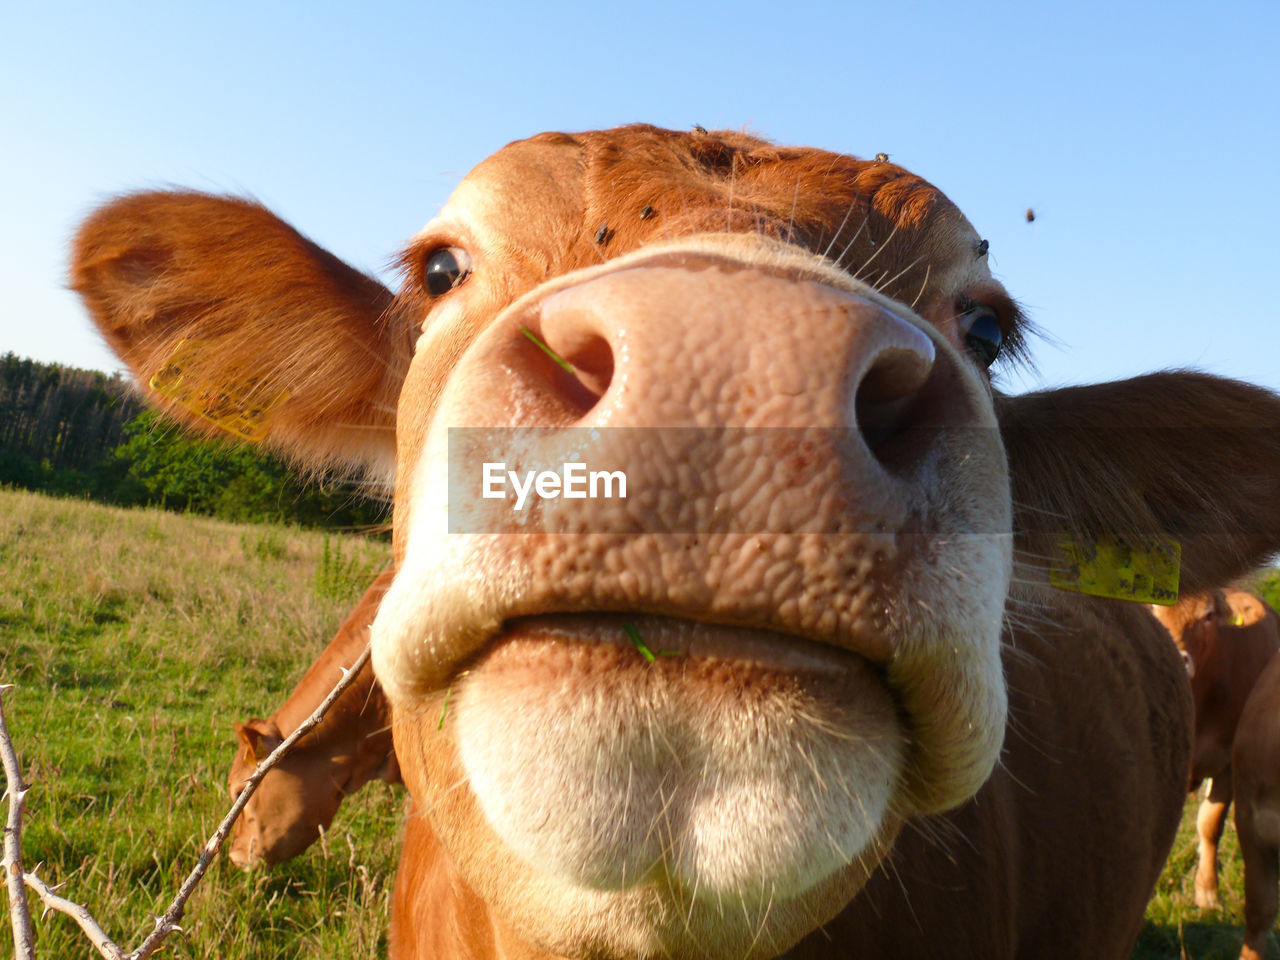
82, 433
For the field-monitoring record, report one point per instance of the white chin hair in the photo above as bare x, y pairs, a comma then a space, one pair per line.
606, 789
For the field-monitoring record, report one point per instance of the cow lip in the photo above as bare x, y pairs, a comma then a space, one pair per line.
661, 638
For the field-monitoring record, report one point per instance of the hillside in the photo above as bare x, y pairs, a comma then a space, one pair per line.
135, 638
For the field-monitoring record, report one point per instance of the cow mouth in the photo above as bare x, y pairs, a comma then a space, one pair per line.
616, 750
666, 643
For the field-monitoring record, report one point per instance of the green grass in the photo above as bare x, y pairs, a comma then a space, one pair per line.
1176, 928
135, 638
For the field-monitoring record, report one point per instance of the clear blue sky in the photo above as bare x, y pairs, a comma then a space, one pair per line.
1145, 135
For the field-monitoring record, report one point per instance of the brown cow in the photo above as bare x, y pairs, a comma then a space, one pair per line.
298, 798
799, 692
1255, 762
1228, 638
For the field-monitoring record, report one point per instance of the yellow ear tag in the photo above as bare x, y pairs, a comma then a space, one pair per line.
242, 408
1111, 568
1237, 619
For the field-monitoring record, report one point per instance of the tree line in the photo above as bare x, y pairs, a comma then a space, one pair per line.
73, 432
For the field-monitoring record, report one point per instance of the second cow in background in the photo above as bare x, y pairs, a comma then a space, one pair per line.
297, 799
1228, 638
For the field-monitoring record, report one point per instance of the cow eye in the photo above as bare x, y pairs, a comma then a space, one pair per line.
445, 268
982, 334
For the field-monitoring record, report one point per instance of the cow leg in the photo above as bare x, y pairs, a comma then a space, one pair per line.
1210, 820
1261, 878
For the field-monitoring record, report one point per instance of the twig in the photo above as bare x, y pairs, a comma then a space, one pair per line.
77, 912
168, 922
16, 790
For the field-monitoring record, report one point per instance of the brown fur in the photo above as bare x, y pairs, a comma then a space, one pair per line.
1057, 853
875, 218
1230, 639
296, 801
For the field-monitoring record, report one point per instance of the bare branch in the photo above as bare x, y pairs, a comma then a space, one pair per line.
16, 790
77, 912
168, 922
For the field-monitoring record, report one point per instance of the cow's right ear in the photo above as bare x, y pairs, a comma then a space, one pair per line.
230, 320
258, 737
1243, 609
1161, 459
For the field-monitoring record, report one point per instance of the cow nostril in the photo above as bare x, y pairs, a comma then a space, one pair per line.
575, 368
592, 363
886, 401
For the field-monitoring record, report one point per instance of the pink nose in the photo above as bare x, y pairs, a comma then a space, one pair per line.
730, 398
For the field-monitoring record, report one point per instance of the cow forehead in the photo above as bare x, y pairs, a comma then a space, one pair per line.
529, 191
568, 201
1181, 615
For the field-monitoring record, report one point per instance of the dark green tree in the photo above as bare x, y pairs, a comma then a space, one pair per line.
233, 481
82, 433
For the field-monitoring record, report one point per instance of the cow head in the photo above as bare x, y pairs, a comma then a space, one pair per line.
689, 722
295, 803
298, 798
1225, 645
1201, 623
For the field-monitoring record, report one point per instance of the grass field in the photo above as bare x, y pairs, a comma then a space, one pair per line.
136, 637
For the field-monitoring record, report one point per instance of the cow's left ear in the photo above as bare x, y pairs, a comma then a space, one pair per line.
231, 321
258, 737
1168, 457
